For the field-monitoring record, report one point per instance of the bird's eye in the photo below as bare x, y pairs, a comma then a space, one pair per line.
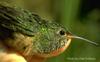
62, 32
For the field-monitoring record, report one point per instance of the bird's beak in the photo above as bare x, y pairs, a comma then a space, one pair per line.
71, 36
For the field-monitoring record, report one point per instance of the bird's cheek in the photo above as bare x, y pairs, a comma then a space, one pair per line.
61, 50
56, 52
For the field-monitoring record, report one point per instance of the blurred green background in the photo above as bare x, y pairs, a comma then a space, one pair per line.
81, 17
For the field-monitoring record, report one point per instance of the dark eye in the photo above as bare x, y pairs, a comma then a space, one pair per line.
62, 32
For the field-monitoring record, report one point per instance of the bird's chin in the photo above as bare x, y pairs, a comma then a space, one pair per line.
56, 52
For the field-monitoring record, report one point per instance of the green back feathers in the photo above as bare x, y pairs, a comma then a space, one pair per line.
17, 19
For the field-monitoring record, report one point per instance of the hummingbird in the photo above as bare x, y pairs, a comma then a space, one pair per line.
29, 35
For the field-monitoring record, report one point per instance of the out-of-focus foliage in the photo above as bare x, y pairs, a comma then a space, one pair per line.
81, 17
